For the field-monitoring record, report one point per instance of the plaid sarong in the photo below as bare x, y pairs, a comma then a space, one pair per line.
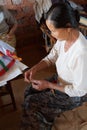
41, 107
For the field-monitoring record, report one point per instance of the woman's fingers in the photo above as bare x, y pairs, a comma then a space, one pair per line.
39, 84
26, 77
36, 84
31, 76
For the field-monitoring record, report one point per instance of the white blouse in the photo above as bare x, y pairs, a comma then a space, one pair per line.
71, 65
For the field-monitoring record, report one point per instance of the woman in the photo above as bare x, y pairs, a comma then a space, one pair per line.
8, 26
69, 55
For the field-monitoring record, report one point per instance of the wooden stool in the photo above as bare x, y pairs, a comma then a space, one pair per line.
7, 90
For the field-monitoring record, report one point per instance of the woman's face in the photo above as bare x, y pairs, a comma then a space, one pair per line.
58, 33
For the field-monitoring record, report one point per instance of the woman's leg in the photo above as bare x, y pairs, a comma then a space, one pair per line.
40, 108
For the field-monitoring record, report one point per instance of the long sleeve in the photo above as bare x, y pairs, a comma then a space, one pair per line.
79, 85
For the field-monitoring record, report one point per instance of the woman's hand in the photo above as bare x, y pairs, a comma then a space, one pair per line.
44, 84
29, 74
40, 84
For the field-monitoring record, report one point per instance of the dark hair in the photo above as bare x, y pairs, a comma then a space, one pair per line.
63, 15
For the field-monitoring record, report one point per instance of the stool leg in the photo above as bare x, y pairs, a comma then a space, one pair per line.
1, 103
8, 85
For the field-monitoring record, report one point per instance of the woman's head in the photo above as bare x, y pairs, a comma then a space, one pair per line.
60, 18
63, 15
